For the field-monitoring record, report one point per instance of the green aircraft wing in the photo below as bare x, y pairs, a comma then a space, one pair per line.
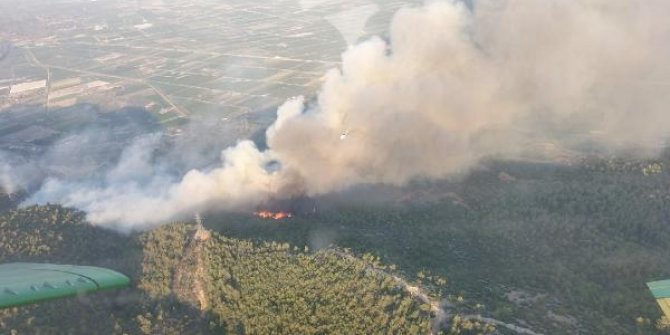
28, 283
661, 291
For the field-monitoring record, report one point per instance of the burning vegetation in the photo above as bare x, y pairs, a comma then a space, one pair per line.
280, 209
265, 214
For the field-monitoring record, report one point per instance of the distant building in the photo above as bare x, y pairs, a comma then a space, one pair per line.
27, 86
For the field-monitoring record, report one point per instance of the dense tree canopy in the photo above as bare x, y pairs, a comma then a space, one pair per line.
559, 249
185, 284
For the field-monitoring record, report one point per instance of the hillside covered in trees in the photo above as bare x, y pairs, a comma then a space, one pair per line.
556, 249
561, 248
191, 281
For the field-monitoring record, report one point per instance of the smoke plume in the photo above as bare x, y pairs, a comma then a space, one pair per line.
451, 85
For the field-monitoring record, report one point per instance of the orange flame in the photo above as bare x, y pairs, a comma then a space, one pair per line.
273, 215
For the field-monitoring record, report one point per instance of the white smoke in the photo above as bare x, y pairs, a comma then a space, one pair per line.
15, 173
351, 22
452, 86
8, 179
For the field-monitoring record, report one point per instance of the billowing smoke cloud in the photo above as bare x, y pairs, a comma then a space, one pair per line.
351, 22
16, 173
451, 86
9, 181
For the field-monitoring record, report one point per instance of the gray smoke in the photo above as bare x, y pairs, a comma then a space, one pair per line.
5, 49
10, 180
452, 86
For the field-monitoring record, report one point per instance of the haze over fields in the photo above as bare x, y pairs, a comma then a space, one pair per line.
449, 87
516, 147
208, 74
